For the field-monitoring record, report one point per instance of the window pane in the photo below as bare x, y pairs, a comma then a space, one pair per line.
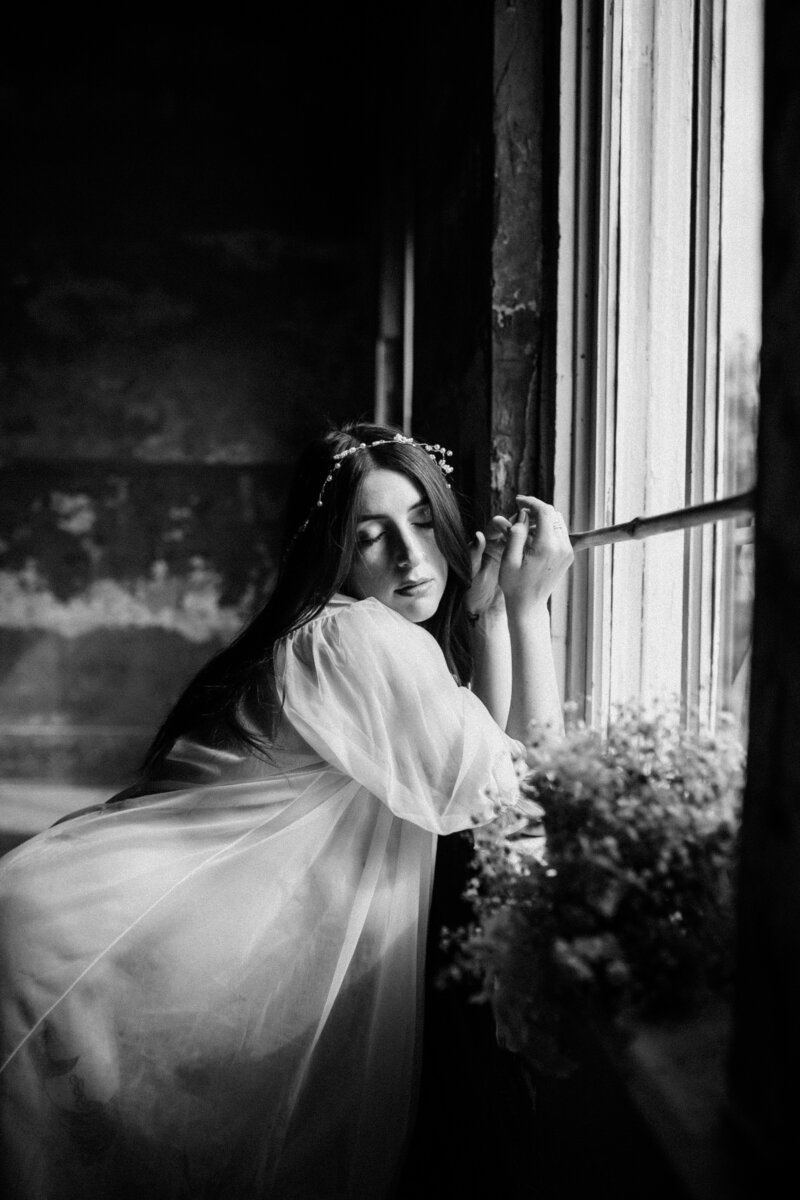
659, 334
741, 332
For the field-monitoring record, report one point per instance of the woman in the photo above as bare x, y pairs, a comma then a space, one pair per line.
210, 985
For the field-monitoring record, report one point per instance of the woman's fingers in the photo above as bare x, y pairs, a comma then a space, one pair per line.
526, 556
517, 539
540, 511
546, 520
496, 535
486, 552
537, 554
487, 547
498, 527
534, 502
476, 552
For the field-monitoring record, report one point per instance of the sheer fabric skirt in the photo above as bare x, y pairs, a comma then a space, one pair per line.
213, 992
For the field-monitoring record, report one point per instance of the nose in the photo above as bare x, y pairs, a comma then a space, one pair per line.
409, 552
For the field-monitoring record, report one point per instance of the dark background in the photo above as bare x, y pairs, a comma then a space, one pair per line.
188, 274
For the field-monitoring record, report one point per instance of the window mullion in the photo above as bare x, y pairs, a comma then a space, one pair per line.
577, 420
568, 606
606, 336
702, 546
632, 379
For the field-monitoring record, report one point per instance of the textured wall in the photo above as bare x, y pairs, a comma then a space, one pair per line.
449, 124
524, 251
485, 179
187, 290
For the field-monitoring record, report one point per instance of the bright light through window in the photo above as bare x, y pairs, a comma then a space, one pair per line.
658, 340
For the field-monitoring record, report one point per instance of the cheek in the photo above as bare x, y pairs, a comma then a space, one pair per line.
442, 564
365, 575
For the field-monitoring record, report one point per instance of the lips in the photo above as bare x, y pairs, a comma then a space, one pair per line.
414, 587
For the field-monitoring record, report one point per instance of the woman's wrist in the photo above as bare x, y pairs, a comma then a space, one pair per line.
489, 618
527, 615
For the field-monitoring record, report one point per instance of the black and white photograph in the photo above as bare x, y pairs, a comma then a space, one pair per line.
400, 602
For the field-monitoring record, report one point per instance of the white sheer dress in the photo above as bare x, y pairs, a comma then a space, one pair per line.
213, 989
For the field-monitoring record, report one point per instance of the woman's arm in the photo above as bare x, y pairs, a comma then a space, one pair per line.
516, 569
534, 690
491, 654
536, 557
489, 637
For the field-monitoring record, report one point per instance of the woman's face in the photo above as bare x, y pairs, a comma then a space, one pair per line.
397, 560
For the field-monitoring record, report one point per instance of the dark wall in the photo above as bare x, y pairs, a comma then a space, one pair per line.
524, 250
187, 279
450, 153
481, 145
766, 1057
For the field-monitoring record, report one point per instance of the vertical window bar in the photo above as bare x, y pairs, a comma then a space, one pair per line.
702, 561
581, 39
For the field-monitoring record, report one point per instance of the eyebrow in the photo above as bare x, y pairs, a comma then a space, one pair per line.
382, 516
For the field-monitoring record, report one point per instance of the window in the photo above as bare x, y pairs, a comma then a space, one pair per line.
659, 294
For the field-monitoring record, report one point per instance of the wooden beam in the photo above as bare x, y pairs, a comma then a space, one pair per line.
681, 518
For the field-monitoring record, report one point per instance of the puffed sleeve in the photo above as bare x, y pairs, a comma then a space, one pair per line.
372, 694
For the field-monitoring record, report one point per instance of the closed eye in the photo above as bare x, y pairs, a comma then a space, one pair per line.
422, 519
364, 539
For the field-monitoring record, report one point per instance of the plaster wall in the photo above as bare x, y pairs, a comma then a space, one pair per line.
182, 306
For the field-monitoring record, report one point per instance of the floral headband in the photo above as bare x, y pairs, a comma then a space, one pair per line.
435, 451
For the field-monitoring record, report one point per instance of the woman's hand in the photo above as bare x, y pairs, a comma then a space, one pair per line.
515, 567
536, 556
485, 596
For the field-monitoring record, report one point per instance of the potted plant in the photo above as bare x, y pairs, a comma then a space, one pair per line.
610, 891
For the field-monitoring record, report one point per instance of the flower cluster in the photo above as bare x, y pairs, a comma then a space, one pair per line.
625, 905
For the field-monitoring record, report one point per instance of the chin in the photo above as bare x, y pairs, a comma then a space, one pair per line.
416, 610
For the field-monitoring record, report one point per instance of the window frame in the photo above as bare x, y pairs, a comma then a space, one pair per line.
603, 228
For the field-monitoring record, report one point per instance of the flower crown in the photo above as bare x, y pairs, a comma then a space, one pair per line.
434, 451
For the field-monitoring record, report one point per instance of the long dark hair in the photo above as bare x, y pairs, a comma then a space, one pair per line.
319, 547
